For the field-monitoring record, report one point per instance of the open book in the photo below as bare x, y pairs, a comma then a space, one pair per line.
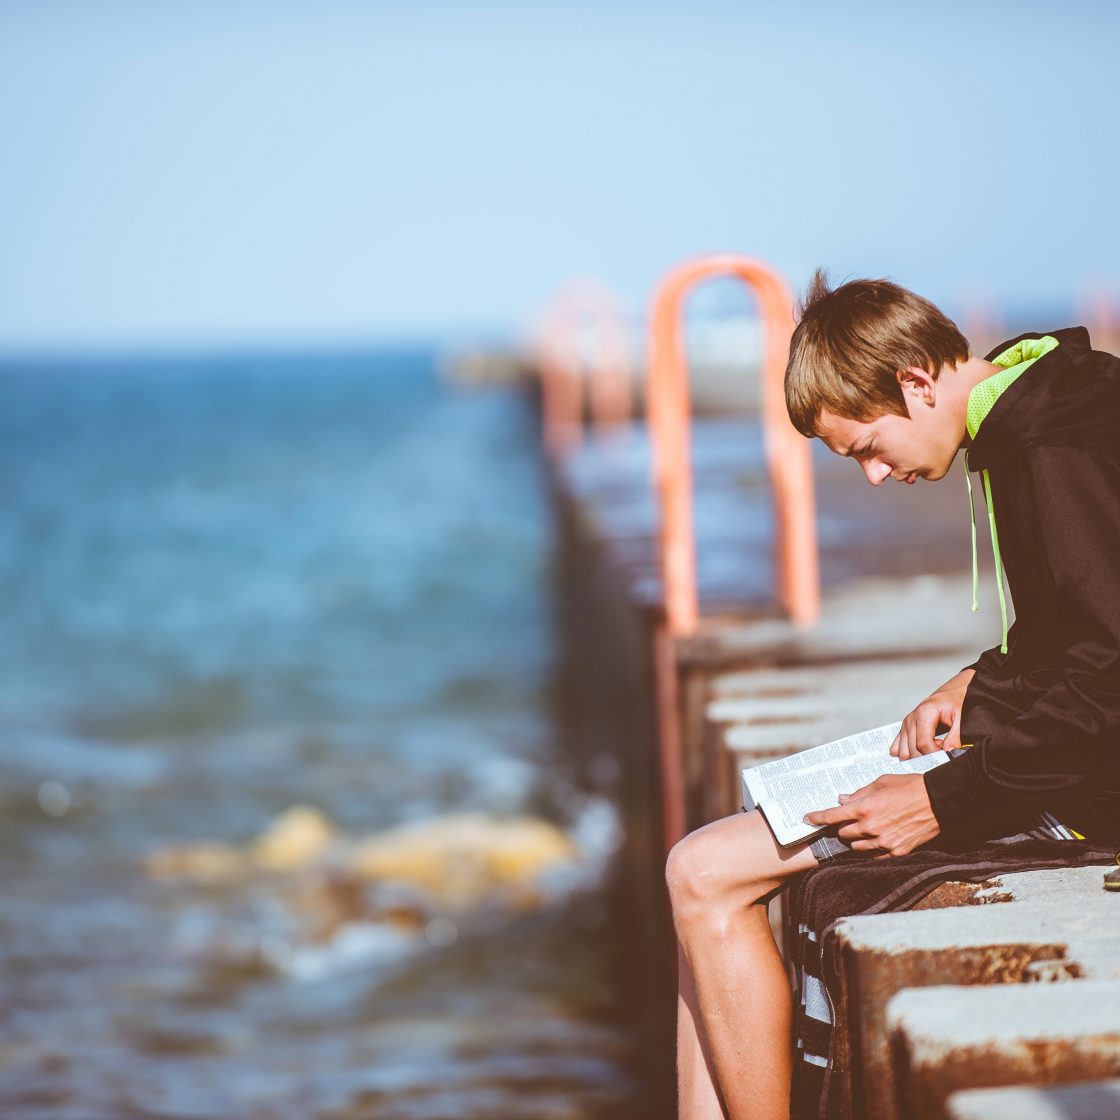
788, 788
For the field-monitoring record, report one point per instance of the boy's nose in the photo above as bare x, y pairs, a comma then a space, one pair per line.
876, 471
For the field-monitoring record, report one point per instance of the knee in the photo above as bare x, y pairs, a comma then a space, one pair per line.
707, 883
683, 877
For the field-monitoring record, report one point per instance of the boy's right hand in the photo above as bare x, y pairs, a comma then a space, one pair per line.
941, 709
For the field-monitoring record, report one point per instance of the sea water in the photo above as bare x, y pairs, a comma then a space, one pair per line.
232, 586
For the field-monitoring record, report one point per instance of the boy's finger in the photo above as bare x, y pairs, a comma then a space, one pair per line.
856, 835
828, 816
912, 738
842, 812
952, 740
925, 739
896, 742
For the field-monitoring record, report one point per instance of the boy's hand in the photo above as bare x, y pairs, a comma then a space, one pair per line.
942, 709
891, 815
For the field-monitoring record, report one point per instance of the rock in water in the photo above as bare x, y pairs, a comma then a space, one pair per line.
206, 862
455, 861
460, 860
297, 838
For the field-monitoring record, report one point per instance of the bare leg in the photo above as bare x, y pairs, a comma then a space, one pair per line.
698, 1095
734, 1000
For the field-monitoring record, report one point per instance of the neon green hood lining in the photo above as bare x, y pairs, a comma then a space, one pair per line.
1014, 362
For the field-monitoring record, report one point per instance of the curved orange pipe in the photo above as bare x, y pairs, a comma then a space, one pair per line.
787, 452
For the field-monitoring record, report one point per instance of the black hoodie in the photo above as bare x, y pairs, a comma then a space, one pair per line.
1044, 718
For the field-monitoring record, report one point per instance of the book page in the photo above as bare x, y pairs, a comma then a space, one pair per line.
788, 788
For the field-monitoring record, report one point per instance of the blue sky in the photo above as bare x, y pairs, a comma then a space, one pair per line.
224, 173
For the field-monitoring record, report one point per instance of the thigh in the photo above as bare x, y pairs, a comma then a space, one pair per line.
741, 849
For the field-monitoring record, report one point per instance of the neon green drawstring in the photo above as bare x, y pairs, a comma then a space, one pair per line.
972, 520
999, 559
995, 550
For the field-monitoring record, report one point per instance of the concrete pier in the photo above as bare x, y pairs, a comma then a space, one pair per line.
950, 1038
1085, 1100
1035, 927
882, 643
666, 718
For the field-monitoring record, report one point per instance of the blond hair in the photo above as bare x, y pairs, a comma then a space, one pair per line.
851, 341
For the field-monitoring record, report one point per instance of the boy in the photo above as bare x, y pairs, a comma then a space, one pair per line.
883, 377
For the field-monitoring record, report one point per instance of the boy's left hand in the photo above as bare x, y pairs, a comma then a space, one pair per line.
892, 815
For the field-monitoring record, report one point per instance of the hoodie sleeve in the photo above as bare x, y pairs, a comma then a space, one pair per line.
990, 658
1072, 730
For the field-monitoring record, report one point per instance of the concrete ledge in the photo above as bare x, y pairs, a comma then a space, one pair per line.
1087, 1100
785, 710
881, 647
945, 1039
758, 714
864, 617
1036, 926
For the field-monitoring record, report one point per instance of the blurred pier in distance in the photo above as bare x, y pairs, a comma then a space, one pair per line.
787, 637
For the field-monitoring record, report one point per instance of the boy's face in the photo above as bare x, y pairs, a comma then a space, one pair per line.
905, 448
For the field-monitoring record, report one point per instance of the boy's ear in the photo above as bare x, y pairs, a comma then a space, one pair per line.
917, 384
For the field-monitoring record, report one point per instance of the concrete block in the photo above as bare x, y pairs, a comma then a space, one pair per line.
946, 1039
1055, 887
1085, 1100
782, 710
1062, 926
1048, 938
866, 617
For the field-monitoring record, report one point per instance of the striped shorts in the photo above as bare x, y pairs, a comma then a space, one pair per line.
1047, 827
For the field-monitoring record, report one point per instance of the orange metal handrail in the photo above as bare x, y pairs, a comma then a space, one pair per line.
584, 312
789, 466
787, 452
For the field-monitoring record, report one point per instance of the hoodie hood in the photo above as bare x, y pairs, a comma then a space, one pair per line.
1073, 388
1068, 393
1013, 363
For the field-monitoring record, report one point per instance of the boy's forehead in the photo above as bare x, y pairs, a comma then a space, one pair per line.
839, 433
